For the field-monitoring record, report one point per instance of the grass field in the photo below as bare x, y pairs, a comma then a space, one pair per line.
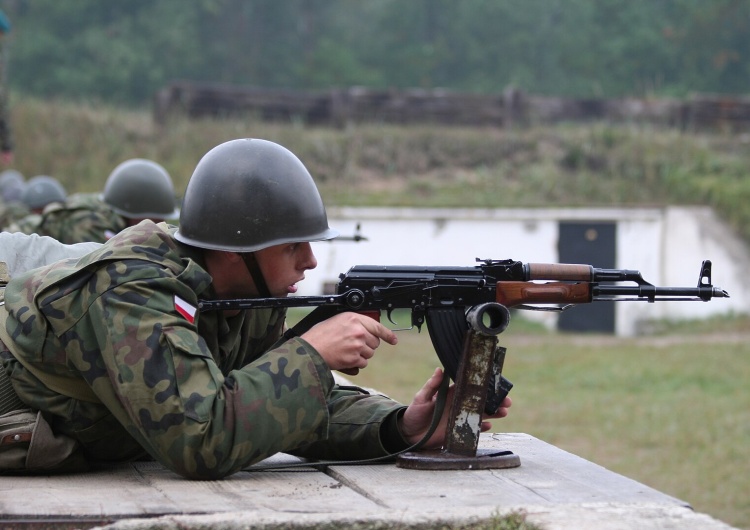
386, 165
671, 411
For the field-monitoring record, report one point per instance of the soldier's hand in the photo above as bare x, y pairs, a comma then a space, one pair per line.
418, 415
347, 341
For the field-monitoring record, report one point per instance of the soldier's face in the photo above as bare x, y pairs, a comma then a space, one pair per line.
283, 266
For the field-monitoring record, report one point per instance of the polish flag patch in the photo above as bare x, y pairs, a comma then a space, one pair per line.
185, 309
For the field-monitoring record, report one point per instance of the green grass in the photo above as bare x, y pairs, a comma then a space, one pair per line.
381, 165
671, 411
514, 520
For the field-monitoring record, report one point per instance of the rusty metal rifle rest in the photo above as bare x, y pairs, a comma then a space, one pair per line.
480, 354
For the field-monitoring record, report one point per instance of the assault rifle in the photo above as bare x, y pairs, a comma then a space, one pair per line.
464, 309
441, 297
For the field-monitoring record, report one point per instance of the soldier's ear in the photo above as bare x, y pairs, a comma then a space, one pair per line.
221, 262
222, 256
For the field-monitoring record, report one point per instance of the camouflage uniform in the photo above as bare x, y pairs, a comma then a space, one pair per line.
28, 224
11, 212
81, 218
204, 397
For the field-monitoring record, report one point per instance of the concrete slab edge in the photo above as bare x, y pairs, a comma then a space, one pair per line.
593, 516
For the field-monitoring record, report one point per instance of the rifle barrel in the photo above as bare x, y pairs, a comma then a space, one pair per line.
650, 292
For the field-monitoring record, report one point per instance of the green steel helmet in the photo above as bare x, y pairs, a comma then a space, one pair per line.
11, 185
140, 189
249, 194
42, 190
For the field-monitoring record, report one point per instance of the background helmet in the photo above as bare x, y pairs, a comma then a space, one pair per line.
249, 194
42, 190
11, 185
140, 189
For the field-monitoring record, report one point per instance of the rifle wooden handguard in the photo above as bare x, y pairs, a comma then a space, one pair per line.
512, 294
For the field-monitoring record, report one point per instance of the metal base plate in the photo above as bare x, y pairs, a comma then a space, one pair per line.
441, 460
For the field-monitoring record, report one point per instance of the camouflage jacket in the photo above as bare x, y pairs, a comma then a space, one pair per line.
26, 225
204, 394
11, 212
82, 218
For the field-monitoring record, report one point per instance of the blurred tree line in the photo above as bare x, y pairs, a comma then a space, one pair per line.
122, 51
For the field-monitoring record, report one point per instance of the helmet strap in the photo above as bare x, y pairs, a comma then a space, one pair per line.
253, 268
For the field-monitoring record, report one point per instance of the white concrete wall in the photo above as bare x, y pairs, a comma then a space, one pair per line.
666, 245
697, 232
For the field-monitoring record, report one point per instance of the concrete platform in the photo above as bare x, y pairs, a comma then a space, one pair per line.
553, 488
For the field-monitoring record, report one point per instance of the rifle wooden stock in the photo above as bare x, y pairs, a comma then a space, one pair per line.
512, 294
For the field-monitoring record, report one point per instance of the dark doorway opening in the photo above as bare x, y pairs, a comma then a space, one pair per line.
593, 243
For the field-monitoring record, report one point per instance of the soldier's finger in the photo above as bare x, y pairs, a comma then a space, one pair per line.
430, 388
367, 353
379, 330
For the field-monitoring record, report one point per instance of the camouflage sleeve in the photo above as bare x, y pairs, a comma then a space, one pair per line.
362, 426
154, 372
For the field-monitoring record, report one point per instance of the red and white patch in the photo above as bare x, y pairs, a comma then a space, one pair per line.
185, 309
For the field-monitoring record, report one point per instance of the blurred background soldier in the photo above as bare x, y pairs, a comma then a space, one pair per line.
12, 208
137, 189
6, 143
39, 193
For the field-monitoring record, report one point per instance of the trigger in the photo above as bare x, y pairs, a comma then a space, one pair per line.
388, 315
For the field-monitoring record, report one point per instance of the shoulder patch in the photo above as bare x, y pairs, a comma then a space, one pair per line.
184, 308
